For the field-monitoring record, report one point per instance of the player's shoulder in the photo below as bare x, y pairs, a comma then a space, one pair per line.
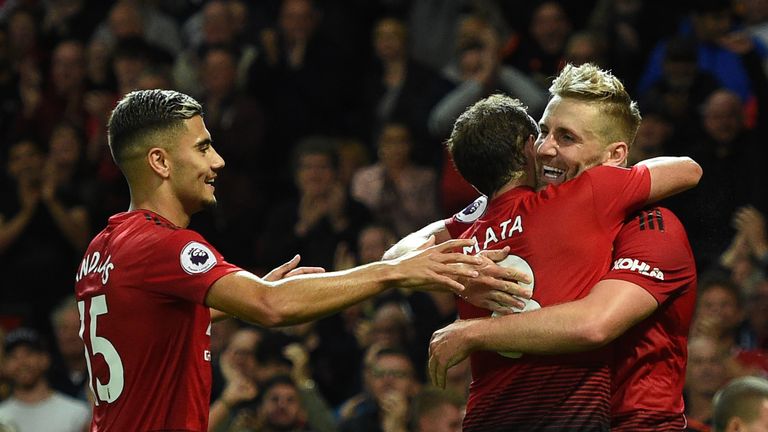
473, 211
653, 219
610, 171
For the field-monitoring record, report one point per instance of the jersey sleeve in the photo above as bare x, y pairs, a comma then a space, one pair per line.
618, 191
652, 251
184, 265
461, 221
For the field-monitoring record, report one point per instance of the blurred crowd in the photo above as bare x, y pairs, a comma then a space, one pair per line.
330, 115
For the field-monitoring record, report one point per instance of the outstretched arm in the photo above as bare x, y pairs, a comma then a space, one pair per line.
612, 307
285, 270
671, 175
415, 239
307, 297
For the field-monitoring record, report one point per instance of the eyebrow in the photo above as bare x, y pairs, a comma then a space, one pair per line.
204, 142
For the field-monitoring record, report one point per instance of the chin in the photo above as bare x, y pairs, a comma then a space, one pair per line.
209, 204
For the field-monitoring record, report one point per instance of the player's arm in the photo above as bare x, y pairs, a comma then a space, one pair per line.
285, 270
311, 296
417, 238
671, 175
612, 307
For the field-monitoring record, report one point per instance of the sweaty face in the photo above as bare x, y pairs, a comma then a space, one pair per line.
194, 165
569, 142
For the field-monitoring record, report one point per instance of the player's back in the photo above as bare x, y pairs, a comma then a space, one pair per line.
564, 234
652, 251
144, 324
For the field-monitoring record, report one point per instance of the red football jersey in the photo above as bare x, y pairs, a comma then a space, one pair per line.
141, 290
652, 251
564, 234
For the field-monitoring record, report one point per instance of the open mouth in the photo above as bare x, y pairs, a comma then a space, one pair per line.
551, 174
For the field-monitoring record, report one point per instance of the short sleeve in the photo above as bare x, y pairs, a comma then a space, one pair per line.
184, 265
461, 221
652, 251
617, 191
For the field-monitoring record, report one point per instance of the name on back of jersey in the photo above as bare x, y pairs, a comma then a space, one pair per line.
92, 263
494, 234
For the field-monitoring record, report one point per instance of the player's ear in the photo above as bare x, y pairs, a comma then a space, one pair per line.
157, 157
616, 154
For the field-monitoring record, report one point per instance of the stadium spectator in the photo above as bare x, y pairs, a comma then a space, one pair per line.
476, 74
706, 373
395, 189
129, 19
69, 371
401, 89
41, 227
391, 384
33, 405
742, 405
320, 218
217, 30
539, 53
710, 25
435, 410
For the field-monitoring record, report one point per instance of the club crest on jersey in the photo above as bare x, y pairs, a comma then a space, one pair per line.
473, 211
197, 258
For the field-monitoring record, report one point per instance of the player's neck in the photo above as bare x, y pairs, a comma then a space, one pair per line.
170, 209
514, 183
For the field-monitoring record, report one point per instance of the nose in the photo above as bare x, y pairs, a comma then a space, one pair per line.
546, 146
218, 161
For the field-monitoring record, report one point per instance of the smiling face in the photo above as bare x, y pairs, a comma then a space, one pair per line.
570, 140
194, 166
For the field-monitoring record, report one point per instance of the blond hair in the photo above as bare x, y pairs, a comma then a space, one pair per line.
591, 84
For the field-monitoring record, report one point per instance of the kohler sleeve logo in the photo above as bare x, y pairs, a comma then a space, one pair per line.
635, 265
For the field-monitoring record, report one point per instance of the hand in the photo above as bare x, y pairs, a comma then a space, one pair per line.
394, 409
299, 357
29, 193
749, 221
343, 258
238, 390
497, 288
432, 267
289, 269
706, 326
447, 348
311, 210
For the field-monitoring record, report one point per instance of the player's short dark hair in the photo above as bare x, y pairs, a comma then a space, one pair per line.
741, 398
143, 114
488, 142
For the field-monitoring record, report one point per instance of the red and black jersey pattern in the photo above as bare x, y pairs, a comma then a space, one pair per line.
578, 393
648, 421
651, 219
